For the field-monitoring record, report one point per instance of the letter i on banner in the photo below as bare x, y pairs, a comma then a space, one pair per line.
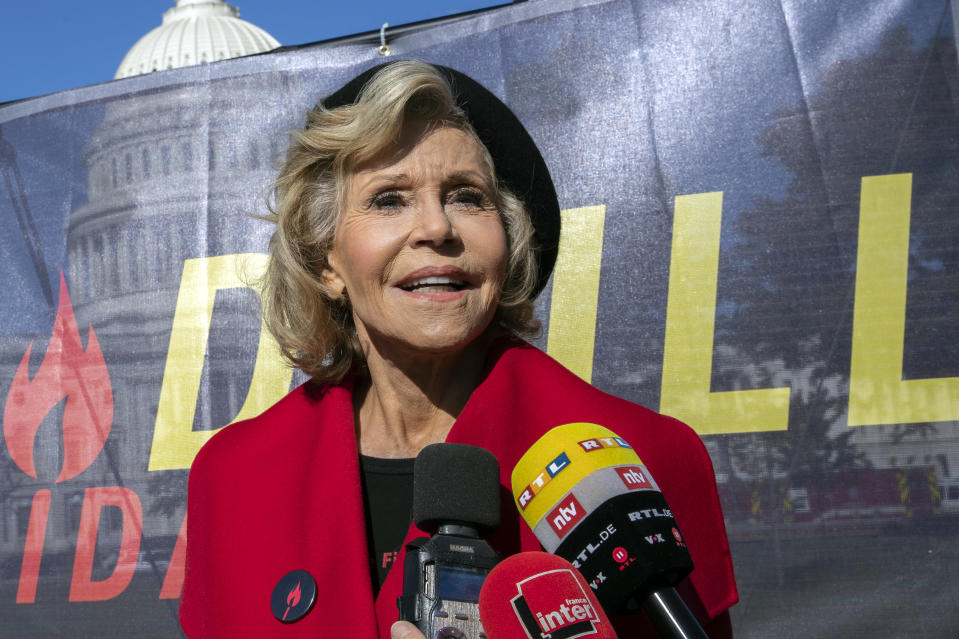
877, 392
690, 325
33, 547
575, 296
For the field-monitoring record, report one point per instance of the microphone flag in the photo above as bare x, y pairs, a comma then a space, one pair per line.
541, 596
588, 497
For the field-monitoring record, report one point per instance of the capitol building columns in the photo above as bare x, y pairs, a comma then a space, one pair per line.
172, 174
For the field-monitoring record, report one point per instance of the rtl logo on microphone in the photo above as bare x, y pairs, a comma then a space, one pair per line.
554, 604
599, 443
539, 482
622, 557
566, 515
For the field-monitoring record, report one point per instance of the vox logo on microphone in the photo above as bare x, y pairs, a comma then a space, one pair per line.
566, 515
554, 604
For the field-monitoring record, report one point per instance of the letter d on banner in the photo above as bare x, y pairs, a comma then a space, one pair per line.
175, 443
82, 586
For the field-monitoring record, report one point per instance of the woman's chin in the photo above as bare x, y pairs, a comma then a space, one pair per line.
435, 341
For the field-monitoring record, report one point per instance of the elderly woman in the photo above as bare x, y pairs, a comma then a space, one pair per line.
415, 223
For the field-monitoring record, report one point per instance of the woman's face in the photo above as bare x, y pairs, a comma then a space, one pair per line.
420, 249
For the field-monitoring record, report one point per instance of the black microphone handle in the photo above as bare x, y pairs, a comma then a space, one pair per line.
669, 615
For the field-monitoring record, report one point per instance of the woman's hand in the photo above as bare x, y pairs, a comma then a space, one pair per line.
405, 630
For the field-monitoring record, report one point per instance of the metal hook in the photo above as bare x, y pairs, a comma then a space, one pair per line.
384, 49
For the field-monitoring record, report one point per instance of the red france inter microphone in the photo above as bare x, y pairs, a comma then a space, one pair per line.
538, 596
588, 497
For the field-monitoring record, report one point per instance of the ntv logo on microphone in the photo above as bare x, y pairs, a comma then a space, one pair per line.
566, 515
634, 477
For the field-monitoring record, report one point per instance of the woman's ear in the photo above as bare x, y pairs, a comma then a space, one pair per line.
333, 284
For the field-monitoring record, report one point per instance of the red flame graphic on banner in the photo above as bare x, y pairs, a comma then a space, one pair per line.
67, 371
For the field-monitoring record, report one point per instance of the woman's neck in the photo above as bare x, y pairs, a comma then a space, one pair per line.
411, 401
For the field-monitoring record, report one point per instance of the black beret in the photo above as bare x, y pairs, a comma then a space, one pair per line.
518, 162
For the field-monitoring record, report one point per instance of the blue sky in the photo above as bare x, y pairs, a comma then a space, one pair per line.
51, 45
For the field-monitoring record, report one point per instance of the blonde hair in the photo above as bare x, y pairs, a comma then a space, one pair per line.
315, 331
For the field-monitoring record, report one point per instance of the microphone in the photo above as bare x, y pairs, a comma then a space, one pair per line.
537, 595
588, 497
455, 498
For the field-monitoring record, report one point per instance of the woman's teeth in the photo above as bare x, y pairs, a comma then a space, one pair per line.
434, 284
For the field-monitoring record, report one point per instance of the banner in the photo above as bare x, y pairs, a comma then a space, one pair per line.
759, 237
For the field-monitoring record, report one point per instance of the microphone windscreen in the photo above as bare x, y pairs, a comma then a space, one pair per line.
537, 595
455, 483
588, 497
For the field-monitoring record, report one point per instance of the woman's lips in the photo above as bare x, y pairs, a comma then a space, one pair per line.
438, 283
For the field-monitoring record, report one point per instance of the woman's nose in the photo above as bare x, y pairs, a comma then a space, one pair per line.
433, 225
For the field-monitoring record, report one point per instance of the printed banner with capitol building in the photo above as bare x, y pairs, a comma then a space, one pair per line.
760, 238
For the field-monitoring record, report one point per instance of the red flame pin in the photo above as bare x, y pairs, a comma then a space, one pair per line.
292, 599
67, 371
293, 596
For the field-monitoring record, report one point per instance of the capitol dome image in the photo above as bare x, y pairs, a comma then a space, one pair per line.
165, 159
195, 32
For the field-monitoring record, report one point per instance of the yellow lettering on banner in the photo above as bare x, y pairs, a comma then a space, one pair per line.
575, 296
877, 392
175, 443
690, 322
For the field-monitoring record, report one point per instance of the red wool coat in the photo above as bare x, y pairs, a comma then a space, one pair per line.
282, 492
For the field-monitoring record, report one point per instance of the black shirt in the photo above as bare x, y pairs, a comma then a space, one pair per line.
388, 509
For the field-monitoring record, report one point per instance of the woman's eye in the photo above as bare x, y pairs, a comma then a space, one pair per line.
470, 197
387, 200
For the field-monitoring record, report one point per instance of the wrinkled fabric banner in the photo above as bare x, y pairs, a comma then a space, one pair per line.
760, 238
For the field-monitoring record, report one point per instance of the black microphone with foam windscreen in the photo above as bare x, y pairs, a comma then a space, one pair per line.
535, 595
589, 498
456, 499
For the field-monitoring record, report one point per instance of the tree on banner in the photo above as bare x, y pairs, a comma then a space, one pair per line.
790, 275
